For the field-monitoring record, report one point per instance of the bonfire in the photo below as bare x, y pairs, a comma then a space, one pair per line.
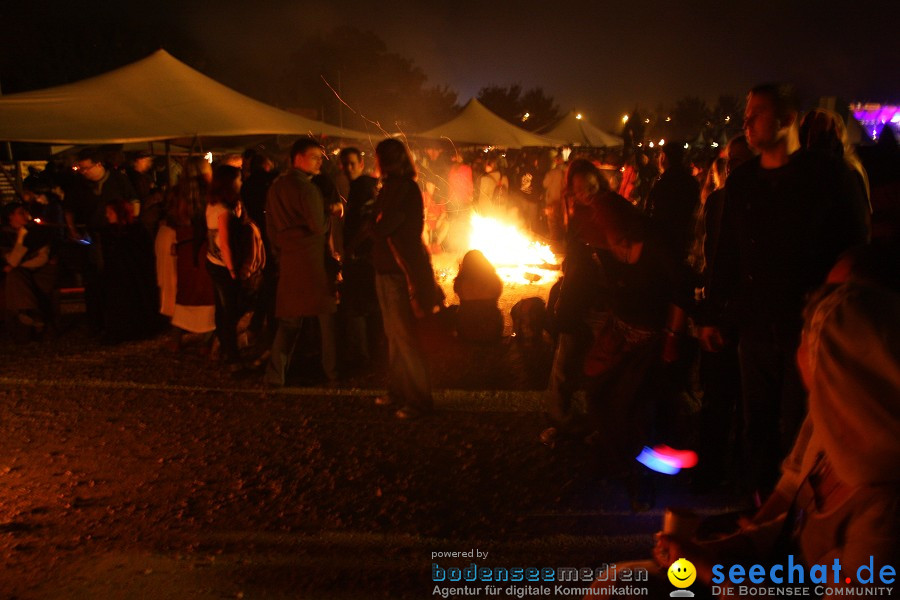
517, 257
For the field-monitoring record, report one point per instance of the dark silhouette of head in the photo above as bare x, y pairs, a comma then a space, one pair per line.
783, 96
225, 187
394, 159
823, 131
302, 145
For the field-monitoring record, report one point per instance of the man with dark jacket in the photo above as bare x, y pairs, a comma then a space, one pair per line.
85, 212
787, 217
673, 200
295, 224
359, 302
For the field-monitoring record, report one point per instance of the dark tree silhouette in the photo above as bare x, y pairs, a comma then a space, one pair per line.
691, 118
513, 105
728, 117
382, 85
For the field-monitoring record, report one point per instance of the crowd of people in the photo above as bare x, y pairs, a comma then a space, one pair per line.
798, 305
682, 279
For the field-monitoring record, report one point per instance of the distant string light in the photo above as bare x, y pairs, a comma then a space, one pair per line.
209, 157
578, 116
662, 142
624, 119
651, 144
525, 117
668, 119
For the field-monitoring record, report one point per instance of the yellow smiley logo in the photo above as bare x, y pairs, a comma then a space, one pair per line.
682, 573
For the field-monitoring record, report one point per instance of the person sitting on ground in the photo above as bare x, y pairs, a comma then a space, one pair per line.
44, 204
479, 288
30, 272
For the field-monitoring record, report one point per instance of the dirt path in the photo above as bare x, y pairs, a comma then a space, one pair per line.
130, 472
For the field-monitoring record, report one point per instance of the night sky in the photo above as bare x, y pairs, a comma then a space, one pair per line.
602, 58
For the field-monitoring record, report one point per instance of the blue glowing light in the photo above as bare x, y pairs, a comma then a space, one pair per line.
655, 462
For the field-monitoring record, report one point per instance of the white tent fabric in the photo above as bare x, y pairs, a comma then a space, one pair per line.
478, 125
579, 132
156, 98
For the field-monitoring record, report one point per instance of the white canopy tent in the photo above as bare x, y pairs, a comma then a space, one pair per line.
575, 130
478, 125
156, 98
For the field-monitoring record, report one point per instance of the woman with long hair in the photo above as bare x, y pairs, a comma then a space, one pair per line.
193, 305
404, 279
635, 330
223, 203
822, 130
580, 290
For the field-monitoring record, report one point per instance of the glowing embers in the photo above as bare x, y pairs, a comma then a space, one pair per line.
517, 257
666, 460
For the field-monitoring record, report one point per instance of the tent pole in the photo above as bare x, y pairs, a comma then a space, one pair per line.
9, 154
168, 167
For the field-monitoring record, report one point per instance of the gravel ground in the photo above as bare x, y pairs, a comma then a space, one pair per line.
136, 472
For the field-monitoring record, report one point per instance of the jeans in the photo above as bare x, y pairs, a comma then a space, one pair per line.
409, 383
228, 309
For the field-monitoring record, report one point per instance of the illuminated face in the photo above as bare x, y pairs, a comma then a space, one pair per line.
761, 123
309, 161
143, 164
624, 251
18, 218
583, 187
352, 165
90, 170
111, 215
682, 573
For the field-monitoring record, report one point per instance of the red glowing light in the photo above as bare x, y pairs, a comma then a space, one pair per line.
683, 459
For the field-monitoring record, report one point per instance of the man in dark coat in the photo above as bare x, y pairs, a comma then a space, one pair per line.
673, 200
787, 217
295, 224
359, 302
85, 212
